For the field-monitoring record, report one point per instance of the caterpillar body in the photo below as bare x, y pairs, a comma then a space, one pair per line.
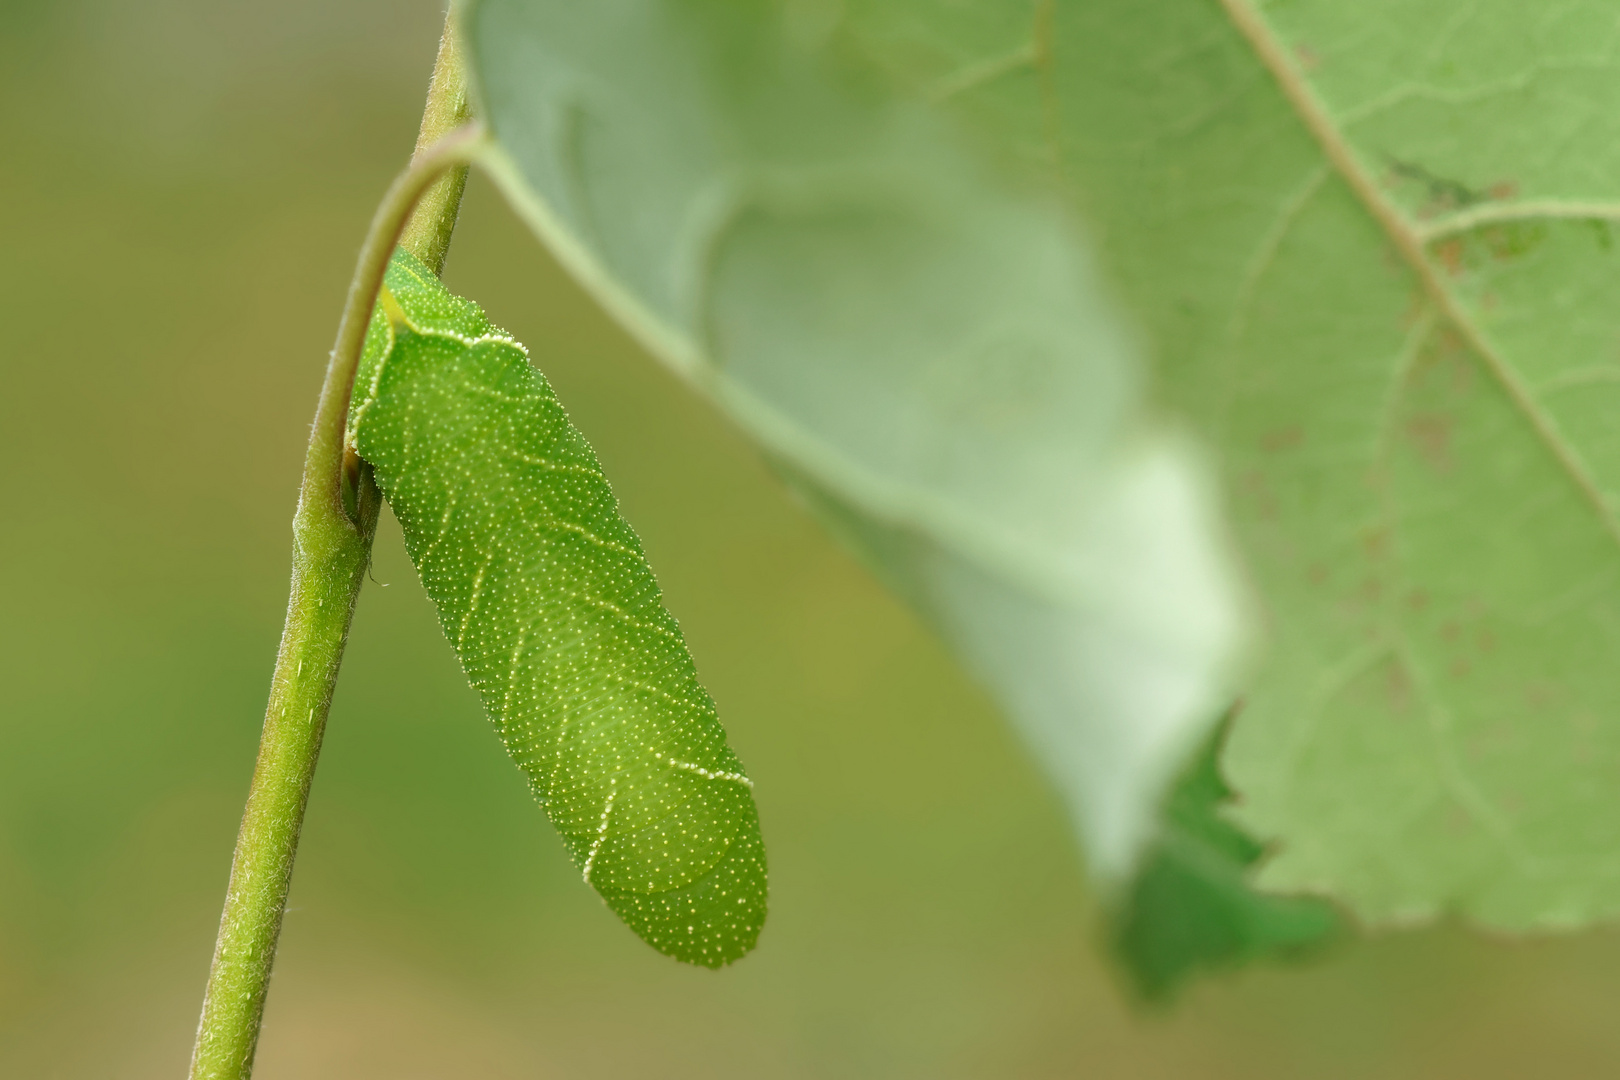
546, 596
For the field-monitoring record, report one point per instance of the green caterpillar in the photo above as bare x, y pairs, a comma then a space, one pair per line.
544, 592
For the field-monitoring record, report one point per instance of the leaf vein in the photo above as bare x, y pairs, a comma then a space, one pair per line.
1409, 242
1498, 213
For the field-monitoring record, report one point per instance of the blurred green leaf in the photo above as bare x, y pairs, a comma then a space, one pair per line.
1372, 246
921, 344
1190, 906
543, 590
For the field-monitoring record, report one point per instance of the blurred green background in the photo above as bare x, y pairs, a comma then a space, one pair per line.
183, 186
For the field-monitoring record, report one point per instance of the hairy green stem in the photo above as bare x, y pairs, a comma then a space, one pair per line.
332, 534
427, 234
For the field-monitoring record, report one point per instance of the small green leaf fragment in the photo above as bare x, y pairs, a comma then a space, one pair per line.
544, 592
1191, 905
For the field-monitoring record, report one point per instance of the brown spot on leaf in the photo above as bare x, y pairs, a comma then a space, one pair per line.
1283, 438
1375, 542
1449, 343
1254, 485
1503, 189
1417, 599
1397, 688
1450, 254
1431, 434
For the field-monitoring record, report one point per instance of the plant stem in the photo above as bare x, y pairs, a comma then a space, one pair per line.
427, 234
332, 534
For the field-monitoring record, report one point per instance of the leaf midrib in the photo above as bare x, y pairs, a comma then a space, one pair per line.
1410, 241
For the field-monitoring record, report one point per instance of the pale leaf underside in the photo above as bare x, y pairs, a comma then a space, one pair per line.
923, 347
1372, 243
